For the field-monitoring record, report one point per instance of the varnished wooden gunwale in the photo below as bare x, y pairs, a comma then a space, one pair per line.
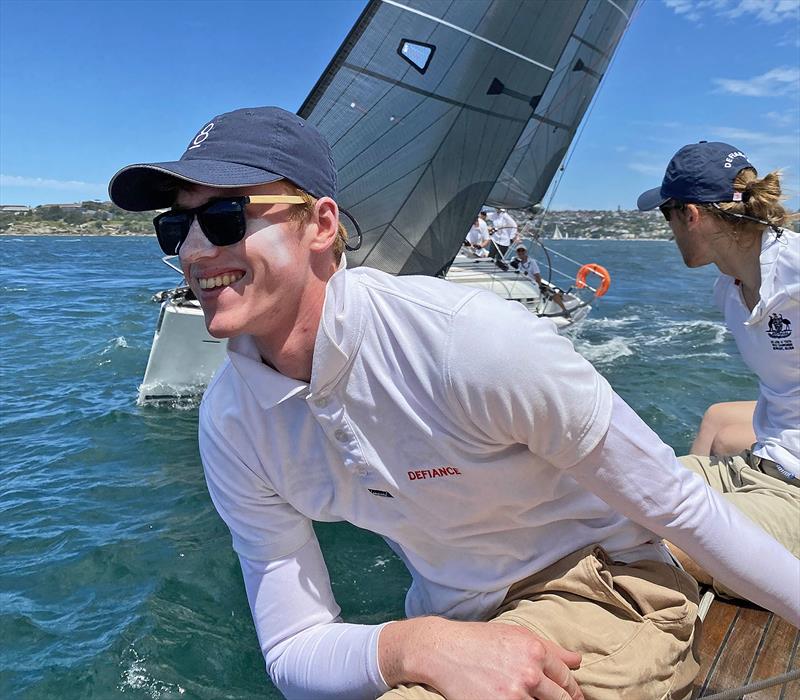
742, 644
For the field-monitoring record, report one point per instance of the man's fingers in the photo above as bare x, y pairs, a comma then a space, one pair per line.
570, 658
556, 671
548, 690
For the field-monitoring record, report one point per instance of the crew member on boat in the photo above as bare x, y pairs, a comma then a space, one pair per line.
505, 227
722, 213
530, 268
525, 493
478, 238
503, 231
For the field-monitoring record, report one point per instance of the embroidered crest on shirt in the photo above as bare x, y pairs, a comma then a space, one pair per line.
779, 327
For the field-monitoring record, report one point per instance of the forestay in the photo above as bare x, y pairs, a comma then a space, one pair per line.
434, 107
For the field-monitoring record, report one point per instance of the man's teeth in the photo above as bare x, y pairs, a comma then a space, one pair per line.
220, 280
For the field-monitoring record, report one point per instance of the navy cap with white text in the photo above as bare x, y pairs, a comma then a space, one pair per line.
699, 173
246, 147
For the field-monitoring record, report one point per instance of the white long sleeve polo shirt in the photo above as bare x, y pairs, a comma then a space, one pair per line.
768, 339
405, 428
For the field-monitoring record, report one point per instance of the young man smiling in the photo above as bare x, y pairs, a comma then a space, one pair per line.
342, 386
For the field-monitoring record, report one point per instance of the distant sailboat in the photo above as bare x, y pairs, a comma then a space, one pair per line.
557, 235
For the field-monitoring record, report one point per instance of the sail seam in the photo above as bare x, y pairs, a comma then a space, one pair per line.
396, 82
469, 33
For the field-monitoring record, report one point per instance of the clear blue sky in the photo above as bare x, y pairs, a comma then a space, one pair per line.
88, 87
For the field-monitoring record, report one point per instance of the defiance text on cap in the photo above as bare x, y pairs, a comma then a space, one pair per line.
700, 173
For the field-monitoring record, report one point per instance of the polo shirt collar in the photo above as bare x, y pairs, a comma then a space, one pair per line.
268, 386
768, 259
338, 338
339, 333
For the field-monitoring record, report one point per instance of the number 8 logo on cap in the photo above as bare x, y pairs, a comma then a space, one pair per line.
202, 136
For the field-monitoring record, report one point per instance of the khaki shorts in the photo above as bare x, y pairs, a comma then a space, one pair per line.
638, 640
770, 502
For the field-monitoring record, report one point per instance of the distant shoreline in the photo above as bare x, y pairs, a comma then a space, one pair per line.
74, 234
71, 234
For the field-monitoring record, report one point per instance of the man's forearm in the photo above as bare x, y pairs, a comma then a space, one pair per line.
639, 476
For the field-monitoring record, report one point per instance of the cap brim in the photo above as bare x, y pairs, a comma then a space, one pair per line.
651, 199
147, 186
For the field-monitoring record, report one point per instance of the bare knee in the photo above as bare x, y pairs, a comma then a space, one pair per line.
716, 416
732, 439
713, 419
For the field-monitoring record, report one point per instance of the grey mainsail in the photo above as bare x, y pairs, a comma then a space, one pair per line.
431, 108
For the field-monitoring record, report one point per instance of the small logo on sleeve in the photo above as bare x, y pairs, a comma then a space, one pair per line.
433, 473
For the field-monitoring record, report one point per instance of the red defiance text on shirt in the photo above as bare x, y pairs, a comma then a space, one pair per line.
433, 473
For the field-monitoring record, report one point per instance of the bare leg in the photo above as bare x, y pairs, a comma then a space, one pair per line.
558, 298
732, 421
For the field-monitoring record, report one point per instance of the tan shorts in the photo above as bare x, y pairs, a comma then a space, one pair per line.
772, 503
637, 640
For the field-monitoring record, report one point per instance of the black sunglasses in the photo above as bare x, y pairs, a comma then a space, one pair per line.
667, 208
223, 221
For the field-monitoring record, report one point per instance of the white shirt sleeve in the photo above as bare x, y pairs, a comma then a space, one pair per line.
310, 654
633, 471
263, 525
523, 383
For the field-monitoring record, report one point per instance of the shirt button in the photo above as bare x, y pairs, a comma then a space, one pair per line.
321, 402
342, 435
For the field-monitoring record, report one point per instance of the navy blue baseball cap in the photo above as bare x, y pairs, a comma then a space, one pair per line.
700, 173
252, 146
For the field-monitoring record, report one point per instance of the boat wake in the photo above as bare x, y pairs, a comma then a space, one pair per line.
605, 341
136, 677
115, 344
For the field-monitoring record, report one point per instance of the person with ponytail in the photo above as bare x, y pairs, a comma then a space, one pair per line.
721, 212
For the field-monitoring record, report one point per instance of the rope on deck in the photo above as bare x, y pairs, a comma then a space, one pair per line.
735, 693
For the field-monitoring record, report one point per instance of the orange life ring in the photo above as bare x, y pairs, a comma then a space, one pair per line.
605, 278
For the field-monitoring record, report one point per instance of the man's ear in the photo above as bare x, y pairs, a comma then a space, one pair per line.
692, 215
326, 224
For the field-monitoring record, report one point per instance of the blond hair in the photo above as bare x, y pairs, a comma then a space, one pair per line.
303, 212
760, 205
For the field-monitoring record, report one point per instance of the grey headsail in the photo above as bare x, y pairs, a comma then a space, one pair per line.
426, 101
560, 108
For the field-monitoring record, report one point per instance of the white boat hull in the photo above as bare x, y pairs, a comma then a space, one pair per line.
515, 286
183, 357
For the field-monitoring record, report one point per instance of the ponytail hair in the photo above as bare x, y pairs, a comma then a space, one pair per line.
758, 204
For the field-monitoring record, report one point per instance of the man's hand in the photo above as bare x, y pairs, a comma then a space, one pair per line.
477, 660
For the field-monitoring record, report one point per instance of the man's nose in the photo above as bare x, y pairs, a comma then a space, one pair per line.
196, 245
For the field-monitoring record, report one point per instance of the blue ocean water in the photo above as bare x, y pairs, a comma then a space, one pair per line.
116, 576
